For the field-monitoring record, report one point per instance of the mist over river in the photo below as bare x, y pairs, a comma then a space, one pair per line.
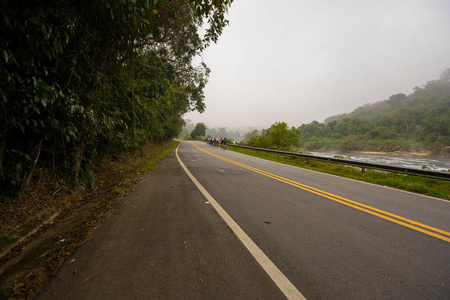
404, 160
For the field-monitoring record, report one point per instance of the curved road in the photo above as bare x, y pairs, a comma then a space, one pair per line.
333, 238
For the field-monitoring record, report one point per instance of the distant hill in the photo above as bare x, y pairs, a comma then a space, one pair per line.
418, 122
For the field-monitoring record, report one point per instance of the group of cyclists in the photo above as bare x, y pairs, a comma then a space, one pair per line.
222, 142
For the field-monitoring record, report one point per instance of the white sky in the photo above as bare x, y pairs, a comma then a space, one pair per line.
303, 60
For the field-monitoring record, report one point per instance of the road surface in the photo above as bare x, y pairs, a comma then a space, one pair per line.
329, 237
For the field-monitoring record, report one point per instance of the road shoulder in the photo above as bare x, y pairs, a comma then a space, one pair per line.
163, 241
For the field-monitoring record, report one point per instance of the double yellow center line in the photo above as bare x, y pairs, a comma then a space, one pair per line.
432, 231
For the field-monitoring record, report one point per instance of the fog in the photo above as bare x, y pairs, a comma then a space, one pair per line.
299, 61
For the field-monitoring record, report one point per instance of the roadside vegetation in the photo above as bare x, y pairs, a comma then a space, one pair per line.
416, 184
80, 80
32, 251
91, 95
278, 137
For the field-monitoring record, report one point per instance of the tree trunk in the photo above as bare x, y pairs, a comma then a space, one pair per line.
2, 153
34, 159
77, 158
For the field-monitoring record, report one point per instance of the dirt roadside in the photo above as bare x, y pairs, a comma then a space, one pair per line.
27, 266
162, 241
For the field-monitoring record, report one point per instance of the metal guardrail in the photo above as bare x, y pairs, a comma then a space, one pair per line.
362, 165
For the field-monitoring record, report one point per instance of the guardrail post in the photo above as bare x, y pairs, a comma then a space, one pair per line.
363, 170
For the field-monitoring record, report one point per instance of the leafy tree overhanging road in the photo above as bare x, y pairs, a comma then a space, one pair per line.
80, 79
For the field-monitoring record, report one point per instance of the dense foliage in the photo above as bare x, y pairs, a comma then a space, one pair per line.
199, 131
80, 79
420, 121
278, 137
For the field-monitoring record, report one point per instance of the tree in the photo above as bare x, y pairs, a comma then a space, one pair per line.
81, 79
279, 136
313, 129
445, 76
212, 132
199, 130
251, 134
222, 132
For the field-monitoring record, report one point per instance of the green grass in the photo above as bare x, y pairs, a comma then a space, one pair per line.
421, 185
150, 165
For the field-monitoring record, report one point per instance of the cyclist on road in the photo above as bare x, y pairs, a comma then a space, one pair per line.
223, 143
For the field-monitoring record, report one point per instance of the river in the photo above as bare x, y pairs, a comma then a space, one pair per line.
407, 161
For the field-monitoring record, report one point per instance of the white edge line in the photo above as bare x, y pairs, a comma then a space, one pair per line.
286, 287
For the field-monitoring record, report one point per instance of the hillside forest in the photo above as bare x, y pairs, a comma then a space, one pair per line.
80, 80
419, 122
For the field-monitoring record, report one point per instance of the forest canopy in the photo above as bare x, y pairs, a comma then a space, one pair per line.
81, 79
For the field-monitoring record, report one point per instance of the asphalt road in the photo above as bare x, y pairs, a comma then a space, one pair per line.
389, 248
331, 237
163, 241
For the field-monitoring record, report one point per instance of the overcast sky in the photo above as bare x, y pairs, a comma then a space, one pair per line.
298, 61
